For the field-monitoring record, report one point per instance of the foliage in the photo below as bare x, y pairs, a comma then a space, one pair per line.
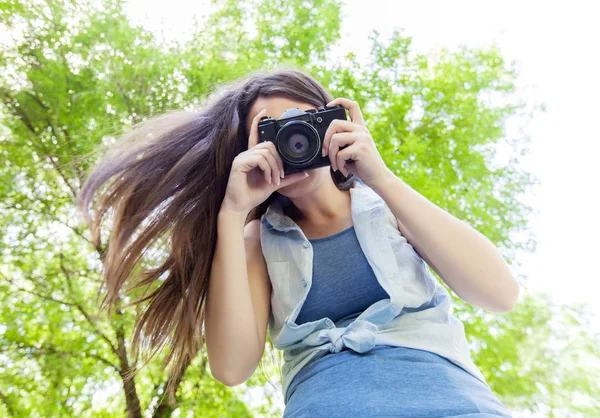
77, 74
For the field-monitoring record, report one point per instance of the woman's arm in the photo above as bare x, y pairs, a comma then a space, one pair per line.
468, 262
465, 259
238, 302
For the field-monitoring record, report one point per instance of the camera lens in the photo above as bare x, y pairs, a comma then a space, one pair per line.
297, 142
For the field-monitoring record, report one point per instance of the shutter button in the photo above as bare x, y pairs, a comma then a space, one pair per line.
304, 282
306, 244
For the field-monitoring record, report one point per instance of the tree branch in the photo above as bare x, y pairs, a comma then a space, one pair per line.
80, 175
8, 403
126, 100
18, 111
49, 349
78, 306
54, 218
64, 130
131, 397
82, 310
56, 166
38, 294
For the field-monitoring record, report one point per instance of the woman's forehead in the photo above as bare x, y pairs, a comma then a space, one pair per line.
275, 106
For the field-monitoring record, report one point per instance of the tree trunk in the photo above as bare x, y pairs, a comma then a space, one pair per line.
132, 400
165, 408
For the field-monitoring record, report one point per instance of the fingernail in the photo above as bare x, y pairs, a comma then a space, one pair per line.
323, 152
305, 174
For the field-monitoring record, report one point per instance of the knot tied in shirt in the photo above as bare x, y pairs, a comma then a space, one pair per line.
358, 336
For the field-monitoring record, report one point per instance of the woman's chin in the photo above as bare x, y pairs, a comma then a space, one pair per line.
294, 189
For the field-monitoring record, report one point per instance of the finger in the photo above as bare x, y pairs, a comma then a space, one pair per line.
346, 156
337, 141
267, 153
356, 115
271, 146
336, 125
279, 162
253, 137
340, 162
273, 149
260, 161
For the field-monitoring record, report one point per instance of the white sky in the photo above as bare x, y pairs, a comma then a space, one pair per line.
556, 46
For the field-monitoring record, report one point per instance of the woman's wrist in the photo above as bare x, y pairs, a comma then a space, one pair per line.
232, 216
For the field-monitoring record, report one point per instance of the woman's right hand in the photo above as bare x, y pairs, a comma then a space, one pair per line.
255, 174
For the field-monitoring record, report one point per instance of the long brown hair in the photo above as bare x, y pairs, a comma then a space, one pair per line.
168, 178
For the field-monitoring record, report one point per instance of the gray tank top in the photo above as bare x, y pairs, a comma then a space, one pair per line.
343, 283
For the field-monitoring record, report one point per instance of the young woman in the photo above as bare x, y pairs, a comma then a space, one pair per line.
333, 261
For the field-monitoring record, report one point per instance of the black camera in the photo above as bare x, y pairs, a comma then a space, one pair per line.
298, 136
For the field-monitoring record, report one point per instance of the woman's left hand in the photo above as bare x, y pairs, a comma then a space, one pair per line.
366, 163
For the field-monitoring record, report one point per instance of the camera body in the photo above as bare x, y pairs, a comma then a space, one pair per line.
298, 136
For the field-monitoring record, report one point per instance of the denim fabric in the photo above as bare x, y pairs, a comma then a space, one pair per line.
388, 381
373, 383
416, 314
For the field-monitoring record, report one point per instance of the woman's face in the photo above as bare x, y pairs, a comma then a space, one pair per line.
275, 107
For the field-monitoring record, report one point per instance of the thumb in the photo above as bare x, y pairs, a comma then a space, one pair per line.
292, 178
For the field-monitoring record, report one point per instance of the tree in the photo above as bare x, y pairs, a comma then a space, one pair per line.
76, 75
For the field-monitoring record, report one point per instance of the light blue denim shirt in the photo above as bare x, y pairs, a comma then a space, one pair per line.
417, 314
